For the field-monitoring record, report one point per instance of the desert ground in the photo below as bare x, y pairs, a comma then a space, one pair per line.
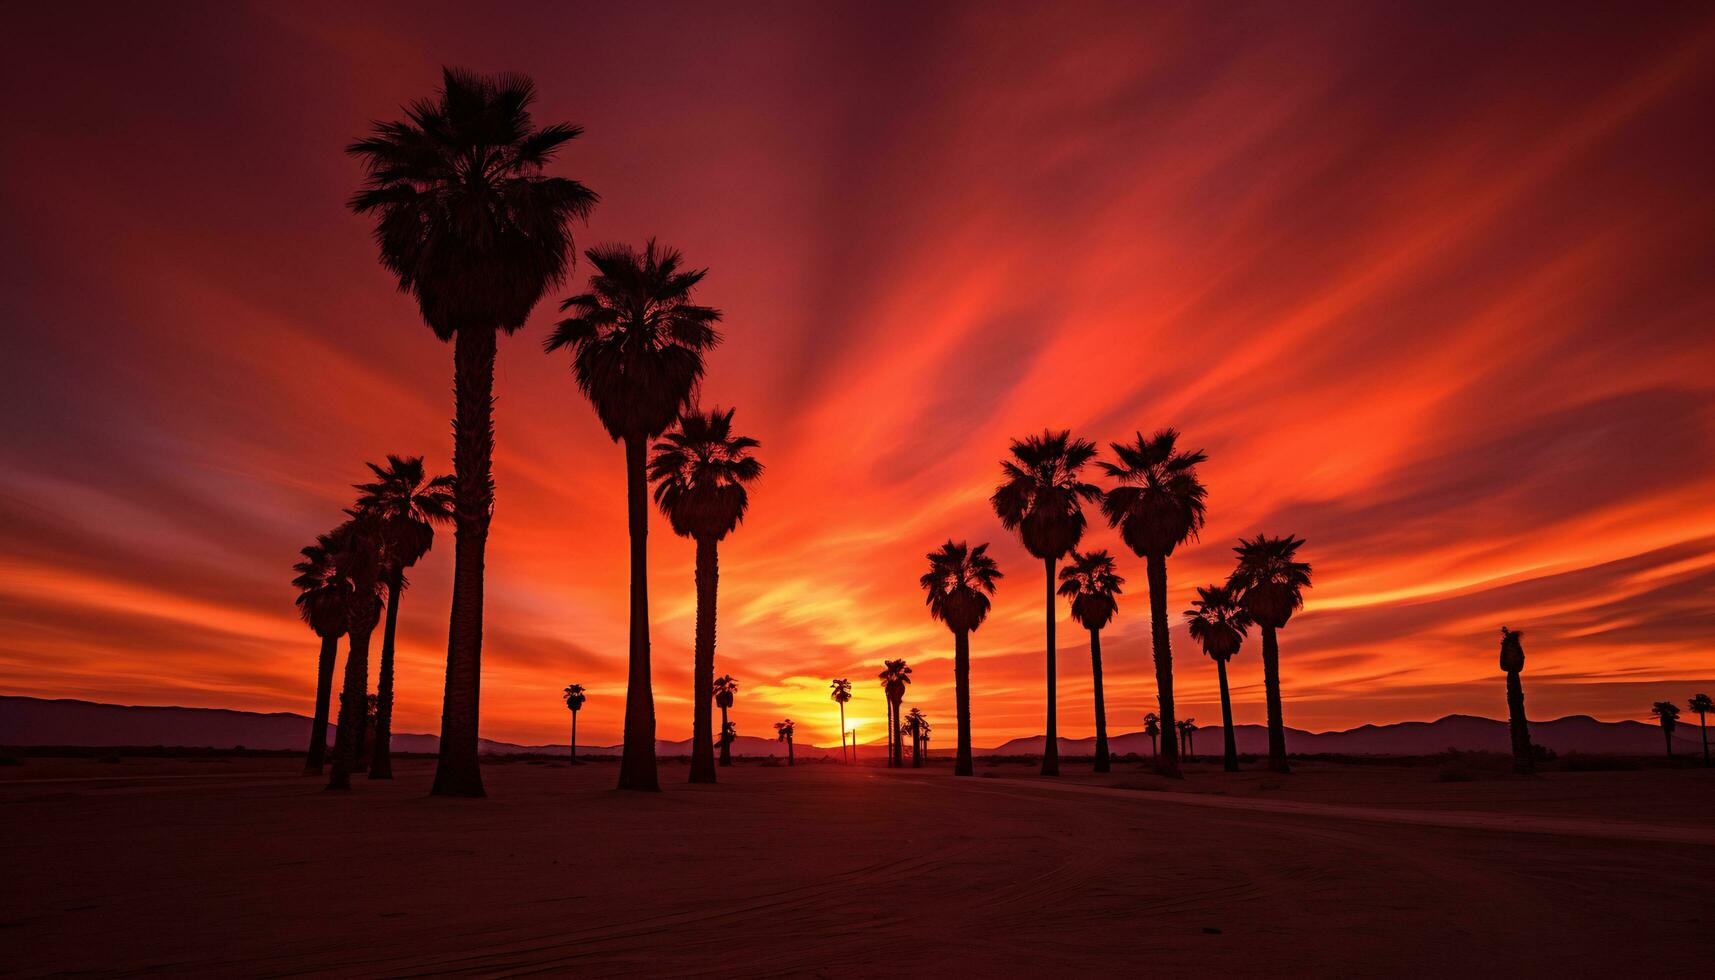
243, 866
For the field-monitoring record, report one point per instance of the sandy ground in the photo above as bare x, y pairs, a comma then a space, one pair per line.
244, 867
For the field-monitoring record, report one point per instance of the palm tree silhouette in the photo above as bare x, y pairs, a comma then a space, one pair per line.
1187, 729
1219, 623
729, 735
1041, 497
471, 227
1093, 586
323, 597
638, 344
1702, 704
358, 555
725, 689
916, 726
1270, 582
783, 733
1668, 713
895, 674
702, 473
1512, 662
956, 589
842, 693
1152, 728
1158, 505
405, 505
574, 695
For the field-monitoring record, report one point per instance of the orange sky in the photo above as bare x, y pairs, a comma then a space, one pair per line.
1431, 286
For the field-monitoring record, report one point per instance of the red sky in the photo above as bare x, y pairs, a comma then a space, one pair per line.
1431, 286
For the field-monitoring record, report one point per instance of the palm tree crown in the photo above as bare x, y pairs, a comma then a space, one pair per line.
1270, 579
701, 472
1041, 495
324, 591
1160, 502
895, 675
1667, 712
1701, 704
784, 730
1512, 650
725, 690
406, 504
957, 587
842, 690
574, 695
1093, 585
1218, 621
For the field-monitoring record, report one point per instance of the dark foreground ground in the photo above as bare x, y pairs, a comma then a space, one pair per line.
244, 867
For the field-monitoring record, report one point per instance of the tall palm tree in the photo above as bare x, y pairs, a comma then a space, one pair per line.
895, 675
405, 504
725, 690
1668, 713
1158, 505
1187, 729
574, 695
1219, 623
1041, 496
1512, 662
323, 597
1702, 704
783, 731
1152, 728
472, 227
638, 344
1270, 582
360, 559
842, 695
702, 474
956, 589
1093, 587
916, 726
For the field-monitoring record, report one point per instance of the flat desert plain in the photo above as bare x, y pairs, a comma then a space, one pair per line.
243, 866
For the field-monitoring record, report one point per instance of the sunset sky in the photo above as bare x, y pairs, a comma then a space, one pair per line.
1433, 286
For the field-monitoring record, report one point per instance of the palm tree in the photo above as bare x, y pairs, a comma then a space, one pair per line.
1270, 582
1702, 704
729, 735
360, 560
1041, 497
1187, 732
1219, 623
1668, 712
469, 224
916, 725
323, 596
1158, 505
1152, 728
574, 695
1093, 587
842, 693
638, 344
725, 689
701, 473
783, 733
956, 589
1512, 662
405, 504
895, 674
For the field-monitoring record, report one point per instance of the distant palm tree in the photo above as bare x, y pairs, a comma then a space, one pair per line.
1668, 713
469, 224
783, 733
360, 561
1093, 586
1270, 582
1512, 662
725, 689
1219, 623
702, 474
1702, 704
1158, 505
1041, 496
574, 695
842, 694
729, 735
324, 594
916, 726
405, 504
1187, 729
1152, 728
895, 675
638, 344
956, 589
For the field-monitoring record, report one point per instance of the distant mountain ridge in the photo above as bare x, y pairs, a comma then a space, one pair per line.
28, 721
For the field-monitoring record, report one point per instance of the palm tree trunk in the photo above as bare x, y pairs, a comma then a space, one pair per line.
637, 764
1167, 761
703, 685
726, 747
1703, 723
317, 753
381, 757
1271, 684
791, 760
1667, 733
351, 708
916, 749
458, 771
843, 757
1051, 739
1101, 706
898, 743
962, 700
574, 753
1524, 761
1229, 744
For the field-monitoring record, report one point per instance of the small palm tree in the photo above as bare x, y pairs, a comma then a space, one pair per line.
783, 733
895, 675
471, 227
1668, 713
1092, 585
725, 689
916, 726
638, 344
956, 589
1702, 705
359, 557
1152, 728
1218, 622
323, 597
842, 695
729, 735
1041, 496
1158, 505
574, 695
1187, 729
1512, 663
1270, 582
405, 504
